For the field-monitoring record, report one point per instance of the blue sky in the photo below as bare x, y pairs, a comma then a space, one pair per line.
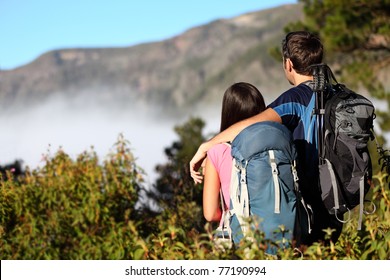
29, 28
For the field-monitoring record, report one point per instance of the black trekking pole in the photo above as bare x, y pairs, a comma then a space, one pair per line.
320, 81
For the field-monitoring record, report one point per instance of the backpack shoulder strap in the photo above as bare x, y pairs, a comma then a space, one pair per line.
239, 197
226, 215
275, 174
306, 207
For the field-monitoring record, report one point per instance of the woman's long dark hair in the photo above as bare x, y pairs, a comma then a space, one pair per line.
240, 101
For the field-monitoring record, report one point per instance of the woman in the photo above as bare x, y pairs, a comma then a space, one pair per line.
240, 101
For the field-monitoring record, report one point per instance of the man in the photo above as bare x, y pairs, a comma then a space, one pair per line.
294, 109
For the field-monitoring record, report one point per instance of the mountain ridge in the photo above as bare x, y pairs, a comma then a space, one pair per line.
194, 67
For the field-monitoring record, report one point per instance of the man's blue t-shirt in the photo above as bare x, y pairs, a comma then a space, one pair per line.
295, 107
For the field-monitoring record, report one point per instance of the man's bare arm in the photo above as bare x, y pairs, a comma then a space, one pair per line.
225, 136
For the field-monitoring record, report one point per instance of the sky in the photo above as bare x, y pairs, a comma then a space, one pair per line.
29, 28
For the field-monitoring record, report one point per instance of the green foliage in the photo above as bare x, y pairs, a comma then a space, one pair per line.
356, 35
349, 25
83, 209
177, 194
71, 209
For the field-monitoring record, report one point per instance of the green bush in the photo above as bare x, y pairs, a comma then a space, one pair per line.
83, 209
71, 209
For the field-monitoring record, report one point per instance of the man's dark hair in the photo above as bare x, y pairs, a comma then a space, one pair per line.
303, 49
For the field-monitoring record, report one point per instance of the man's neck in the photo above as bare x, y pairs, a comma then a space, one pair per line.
298, 79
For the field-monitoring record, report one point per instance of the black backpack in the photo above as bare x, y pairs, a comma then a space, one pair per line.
345, 121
